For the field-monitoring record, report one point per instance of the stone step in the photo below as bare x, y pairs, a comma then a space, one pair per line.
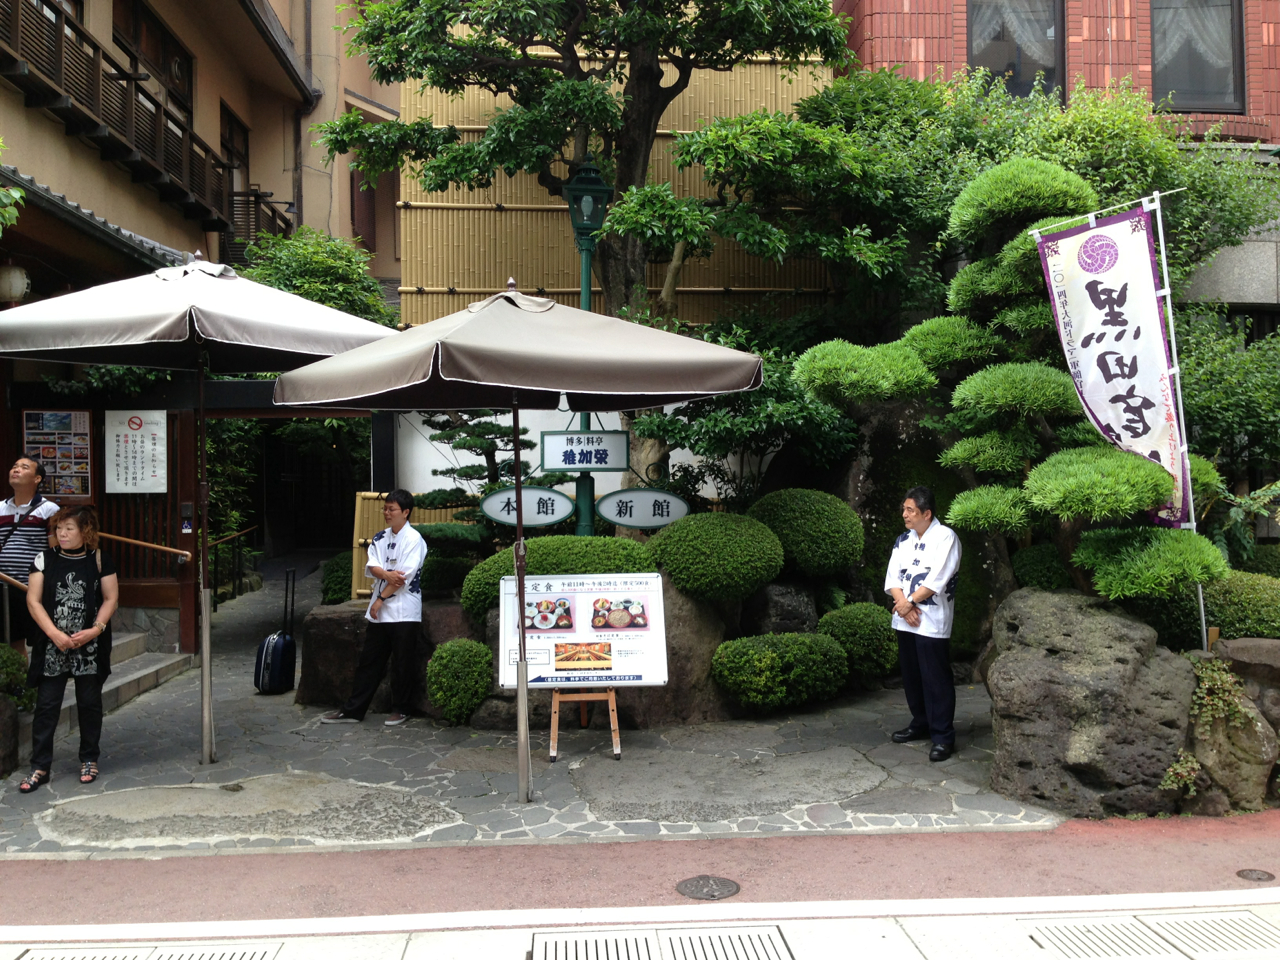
126, 647
130, 676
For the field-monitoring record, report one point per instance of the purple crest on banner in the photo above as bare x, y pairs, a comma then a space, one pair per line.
1098, 254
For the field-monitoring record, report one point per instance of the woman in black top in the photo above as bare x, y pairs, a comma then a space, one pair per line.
72, 594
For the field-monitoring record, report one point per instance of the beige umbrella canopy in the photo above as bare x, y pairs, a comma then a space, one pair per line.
527, 350
514, 351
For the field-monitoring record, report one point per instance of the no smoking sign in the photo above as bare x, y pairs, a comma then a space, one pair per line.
135, 423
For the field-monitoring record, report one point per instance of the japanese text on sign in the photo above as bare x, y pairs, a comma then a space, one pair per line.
137, 458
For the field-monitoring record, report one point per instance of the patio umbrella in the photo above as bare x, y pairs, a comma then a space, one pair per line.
201, 317
515, 351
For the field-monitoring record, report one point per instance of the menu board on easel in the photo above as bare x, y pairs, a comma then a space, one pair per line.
59, 439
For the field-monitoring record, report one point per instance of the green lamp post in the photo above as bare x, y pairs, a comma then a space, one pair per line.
588, 197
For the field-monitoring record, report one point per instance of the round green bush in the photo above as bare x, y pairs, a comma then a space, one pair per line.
1265, 559
780, 669
1014, 194
864, 631
821, 536
1040, 566
13, 678
719, 556
335, 580
550, 557
459, 676
1241, 605
441, 574
453, 539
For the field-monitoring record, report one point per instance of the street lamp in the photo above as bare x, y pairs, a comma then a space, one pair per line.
588, 197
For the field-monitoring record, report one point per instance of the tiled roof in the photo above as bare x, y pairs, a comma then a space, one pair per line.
149, 252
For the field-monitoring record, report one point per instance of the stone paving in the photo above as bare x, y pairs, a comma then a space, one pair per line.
830, 769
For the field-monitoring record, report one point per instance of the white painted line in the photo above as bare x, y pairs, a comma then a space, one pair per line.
720, 912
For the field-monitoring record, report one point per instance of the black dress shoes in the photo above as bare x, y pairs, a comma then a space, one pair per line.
941, 751
906, 735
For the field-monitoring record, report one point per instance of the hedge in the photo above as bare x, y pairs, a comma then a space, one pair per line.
550, 557
1241, 605
1265, 559
453, 539
821, 536
335, 581
459, 676
445, 573
864, 631
780, 669
718, 556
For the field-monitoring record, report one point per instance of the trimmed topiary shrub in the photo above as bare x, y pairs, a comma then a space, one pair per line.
1040, 566
459, 675
13, 678
1240, 604
1007, 197
843, 374
821, 536
444, 574
1265, 560
1101, 483
553, 556
780, 669
864, 631
1147, 561
946, 341
335, 580
718, 556
453, 539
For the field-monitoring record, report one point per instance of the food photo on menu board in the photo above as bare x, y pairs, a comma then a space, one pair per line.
621, 613
548, 614
584, 656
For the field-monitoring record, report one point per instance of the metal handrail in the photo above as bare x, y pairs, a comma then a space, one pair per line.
182, 555
237, 561
214, 543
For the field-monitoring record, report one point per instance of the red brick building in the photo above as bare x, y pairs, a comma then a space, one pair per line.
1216, 59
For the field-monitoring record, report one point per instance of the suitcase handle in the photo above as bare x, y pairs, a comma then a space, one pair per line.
290, 600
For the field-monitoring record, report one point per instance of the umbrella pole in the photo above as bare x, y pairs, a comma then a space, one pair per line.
525, 770
208, 748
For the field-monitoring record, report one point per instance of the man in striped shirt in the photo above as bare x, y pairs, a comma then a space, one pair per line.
24, 532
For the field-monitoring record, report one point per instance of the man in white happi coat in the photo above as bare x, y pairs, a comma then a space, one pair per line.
394, 615
921, 580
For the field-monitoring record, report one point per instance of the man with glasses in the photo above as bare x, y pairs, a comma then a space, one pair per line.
394, 615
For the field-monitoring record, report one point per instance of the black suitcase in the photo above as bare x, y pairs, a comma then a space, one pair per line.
278, 654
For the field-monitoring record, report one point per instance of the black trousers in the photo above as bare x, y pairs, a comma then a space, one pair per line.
21, 626
927, 682
48, 707
396, 642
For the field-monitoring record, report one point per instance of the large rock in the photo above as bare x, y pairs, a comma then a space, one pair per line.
1239, 759
780, 608
1088, 713
1256, 660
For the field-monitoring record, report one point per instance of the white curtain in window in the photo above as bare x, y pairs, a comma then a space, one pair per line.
1029, 21
1205, 23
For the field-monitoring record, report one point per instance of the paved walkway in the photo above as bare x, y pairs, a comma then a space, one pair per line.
284, 780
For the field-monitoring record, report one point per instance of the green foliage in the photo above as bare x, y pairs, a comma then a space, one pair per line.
990, 509
864, 631
108, 379
550, 557
950, 341
445, 574
13, 678
1098, 483
453, 539
1147, 561
1008, 196
1265, 560
1182, 773
324, 269
718, 556
994, 452
1026, 318
232, 445
842, 374
335, 581
1206, 482
821, 536
1027, 388
658, 218
1040, 566
780, 669
1244, 605
459, 677
1218, 693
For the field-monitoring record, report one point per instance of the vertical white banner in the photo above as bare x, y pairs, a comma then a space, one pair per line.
1104, 287
137, 451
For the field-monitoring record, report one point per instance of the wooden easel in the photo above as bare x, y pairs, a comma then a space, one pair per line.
582, 698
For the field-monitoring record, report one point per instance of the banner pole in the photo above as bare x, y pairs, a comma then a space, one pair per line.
1176, 373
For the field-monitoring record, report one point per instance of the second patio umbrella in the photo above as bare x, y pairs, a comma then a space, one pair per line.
515, 351
200, 317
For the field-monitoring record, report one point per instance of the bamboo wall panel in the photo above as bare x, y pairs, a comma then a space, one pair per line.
472, 251
368, 522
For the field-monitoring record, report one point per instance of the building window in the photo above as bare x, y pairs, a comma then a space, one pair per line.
1017, 39
1197, 60
140, 32
235, 147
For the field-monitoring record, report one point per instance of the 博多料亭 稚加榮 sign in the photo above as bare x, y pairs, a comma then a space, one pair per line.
586, 450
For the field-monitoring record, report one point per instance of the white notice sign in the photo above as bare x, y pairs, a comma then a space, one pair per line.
137, 451
579, 451
598, 630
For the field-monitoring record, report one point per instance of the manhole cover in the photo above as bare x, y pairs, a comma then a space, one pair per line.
1260, 876
707, 888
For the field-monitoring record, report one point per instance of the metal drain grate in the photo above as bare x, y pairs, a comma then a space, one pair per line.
1238, 935
1101, 938
702, 943
724, 943
597, 945
177, 951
